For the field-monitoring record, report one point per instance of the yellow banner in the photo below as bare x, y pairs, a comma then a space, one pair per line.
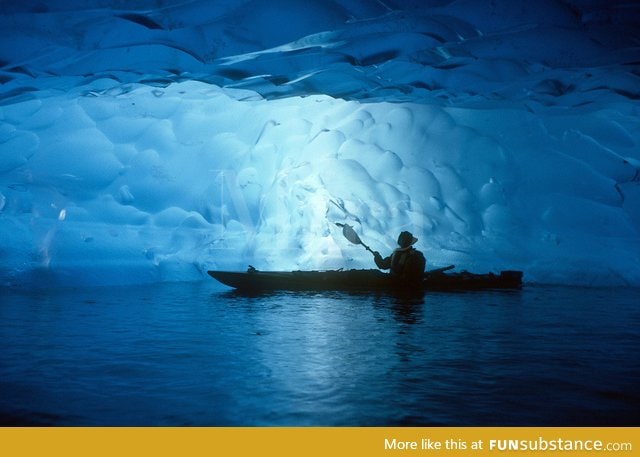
312, 441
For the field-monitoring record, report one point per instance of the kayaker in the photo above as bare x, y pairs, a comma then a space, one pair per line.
406, 262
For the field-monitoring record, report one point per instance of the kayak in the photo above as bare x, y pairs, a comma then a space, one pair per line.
363, 280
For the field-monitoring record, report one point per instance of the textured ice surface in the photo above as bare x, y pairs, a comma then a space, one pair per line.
153, 144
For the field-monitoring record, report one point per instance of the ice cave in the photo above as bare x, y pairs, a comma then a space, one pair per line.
152, 140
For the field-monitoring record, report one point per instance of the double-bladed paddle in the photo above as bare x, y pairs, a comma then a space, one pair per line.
351, 235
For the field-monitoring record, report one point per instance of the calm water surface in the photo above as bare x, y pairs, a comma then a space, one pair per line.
199, 354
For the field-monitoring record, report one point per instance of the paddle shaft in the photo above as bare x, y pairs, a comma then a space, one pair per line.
367, 248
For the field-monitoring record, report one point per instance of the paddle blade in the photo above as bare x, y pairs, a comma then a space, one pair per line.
349, 233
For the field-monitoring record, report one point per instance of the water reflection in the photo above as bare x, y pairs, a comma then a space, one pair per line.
406, 309
188, 355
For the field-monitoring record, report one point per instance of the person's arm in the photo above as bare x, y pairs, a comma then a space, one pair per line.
383, 264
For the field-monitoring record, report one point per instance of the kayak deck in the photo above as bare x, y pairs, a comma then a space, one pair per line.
362, 280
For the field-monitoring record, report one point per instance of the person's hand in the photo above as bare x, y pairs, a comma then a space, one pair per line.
376, 255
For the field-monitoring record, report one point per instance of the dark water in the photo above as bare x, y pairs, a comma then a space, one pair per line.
196, 354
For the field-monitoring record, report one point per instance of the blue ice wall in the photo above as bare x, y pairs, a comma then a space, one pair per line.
152, 144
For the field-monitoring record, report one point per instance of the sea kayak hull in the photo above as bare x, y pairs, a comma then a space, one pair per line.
362, 280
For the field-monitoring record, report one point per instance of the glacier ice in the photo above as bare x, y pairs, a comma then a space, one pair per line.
152, 144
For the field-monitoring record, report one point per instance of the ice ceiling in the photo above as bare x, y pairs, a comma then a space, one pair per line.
151, 143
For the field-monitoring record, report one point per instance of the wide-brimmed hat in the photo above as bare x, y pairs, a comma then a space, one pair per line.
406, 239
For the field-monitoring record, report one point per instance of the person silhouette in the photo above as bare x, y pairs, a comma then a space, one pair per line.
406, 263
